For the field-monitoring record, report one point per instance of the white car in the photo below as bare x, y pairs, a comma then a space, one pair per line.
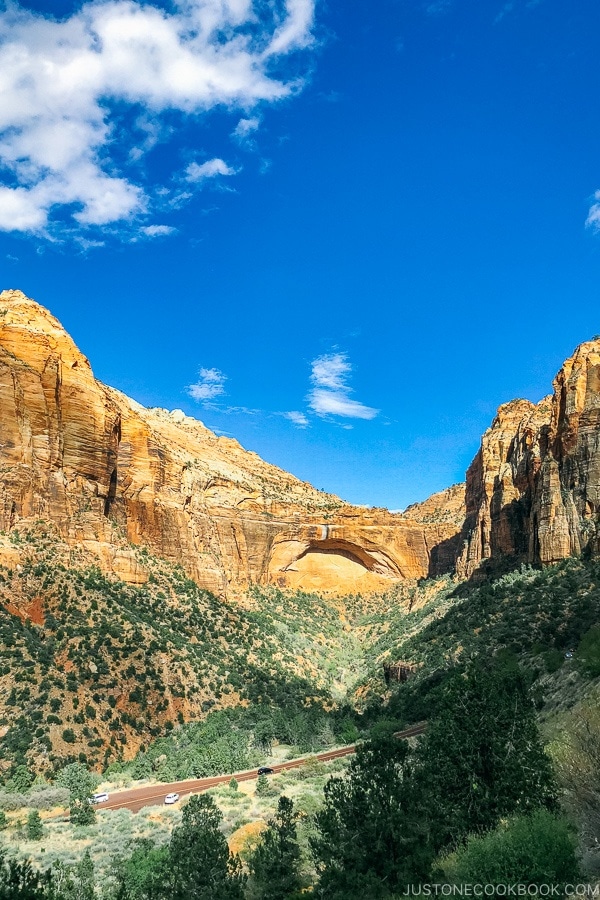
100, 798
171, 798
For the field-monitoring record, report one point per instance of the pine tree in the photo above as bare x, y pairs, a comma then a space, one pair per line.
275, 864
200, 864
372, 838
263, 788
84, 874
482, 758
18, 881
34, 828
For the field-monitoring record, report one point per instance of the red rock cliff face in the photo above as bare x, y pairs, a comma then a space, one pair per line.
533, 490
108, 473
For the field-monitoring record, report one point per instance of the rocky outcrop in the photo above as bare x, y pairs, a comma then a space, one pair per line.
108, 474
445, 509
533, 490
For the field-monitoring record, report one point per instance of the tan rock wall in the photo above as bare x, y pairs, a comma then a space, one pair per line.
108, 472
533, 490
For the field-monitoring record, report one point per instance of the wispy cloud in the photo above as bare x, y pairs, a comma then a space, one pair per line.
210, 384
153, 231
244, 130
511, 6
437, 7
505, 11
297, 418
593, 219
330, 394
210, 169
68, 85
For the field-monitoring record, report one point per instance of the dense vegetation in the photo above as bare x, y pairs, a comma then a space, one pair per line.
379, 829
92, 668
100, 667
165, 681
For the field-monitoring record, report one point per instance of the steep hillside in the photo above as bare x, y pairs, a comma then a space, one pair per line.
94, 668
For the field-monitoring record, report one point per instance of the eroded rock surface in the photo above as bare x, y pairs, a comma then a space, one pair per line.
108, 473
533, 490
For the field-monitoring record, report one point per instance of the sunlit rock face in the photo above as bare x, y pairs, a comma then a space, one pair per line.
109, 474
533, 490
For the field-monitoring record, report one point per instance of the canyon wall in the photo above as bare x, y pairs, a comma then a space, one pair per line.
533, 490
108, 473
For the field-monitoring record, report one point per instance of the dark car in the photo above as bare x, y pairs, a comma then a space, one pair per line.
265, 770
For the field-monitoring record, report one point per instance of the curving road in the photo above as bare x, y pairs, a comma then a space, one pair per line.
154, 795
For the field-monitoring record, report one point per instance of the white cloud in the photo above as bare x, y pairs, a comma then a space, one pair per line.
158, 230
297, 418
593, 219
209, 169
65, 84
243, 131
330, 395
210, 384
331, 371
336, 403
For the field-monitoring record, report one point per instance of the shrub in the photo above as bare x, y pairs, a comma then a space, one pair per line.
34, 828
48, 798
532, 850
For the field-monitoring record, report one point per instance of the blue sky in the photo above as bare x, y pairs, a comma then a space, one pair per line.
342, 233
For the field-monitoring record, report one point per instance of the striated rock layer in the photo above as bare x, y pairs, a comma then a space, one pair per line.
533, 490
108, 473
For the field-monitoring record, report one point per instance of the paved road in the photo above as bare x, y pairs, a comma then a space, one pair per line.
154, 795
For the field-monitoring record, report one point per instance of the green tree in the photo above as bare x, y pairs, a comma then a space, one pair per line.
74, 882
588, 652
372, 838
482, 757
141, 871
21, 780
537, 849
18, 881
263, 735
263, 788
576, 756
81, 784
275, 863
34, 828
200, 864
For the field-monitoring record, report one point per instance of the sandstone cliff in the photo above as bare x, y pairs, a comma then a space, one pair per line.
533, 490
108, 473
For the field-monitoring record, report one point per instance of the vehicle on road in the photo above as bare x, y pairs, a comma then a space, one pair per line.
100, 798
265, 770
171, 798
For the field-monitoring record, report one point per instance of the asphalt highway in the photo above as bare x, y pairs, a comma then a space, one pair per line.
154, 795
